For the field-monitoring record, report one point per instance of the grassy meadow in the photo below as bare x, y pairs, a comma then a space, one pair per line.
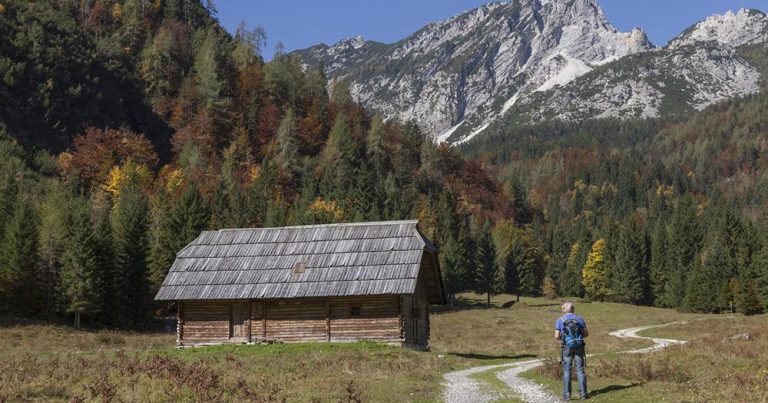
45, 362
724, 361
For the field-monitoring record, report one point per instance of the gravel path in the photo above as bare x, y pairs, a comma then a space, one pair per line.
460, 387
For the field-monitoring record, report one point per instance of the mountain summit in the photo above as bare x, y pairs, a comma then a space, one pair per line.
456, 77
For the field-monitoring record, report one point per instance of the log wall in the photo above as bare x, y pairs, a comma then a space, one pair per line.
387, 318
297, 320
203, 321
378, 319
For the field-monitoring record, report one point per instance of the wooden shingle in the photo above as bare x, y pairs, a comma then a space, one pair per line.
337, 260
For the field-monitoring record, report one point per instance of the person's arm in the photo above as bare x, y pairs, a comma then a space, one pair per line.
584, 330
557, 334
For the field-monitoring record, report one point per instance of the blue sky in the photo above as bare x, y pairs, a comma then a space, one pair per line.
303, 23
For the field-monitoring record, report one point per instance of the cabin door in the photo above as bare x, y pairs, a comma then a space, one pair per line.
238, 319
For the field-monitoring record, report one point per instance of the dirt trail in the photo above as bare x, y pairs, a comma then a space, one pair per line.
460, 387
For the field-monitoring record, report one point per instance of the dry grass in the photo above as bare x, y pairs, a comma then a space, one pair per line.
307, 372
42, 362
526, 328
725, 360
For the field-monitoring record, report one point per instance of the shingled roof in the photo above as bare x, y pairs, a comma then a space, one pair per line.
370, 258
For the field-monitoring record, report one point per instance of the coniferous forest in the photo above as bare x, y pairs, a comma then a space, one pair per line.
127, 127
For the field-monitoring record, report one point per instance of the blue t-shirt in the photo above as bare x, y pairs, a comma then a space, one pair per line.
560, 320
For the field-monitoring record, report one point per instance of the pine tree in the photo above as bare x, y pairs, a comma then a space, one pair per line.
595, 271
486, 263
19, 262
79, 269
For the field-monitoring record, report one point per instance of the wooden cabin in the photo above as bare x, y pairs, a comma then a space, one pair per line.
331, 283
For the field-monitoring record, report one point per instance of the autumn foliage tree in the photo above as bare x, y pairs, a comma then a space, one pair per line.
594, 274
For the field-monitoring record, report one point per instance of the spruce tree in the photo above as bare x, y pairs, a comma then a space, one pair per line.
486, 263
530, 263
130, 282
685, 241
161, 244
629, 279
512, 261
570, 283
759, 269
288, 149
19, 263
8, 199
105, 259
454, 268
706, 284
53, 240
659, 265
189, 217
79, 268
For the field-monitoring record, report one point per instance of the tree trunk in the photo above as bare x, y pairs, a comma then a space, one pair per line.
77, 320
489, 300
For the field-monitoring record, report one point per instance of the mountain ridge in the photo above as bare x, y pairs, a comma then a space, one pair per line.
458, 76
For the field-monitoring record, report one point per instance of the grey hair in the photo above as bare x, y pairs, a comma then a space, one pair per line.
567, 307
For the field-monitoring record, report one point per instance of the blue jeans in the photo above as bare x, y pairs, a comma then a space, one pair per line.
577, 357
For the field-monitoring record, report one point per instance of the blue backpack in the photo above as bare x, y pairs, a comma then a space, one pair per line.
571, 333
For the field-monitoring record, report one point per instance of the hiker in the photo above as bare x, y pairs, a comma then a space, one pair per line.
571, 329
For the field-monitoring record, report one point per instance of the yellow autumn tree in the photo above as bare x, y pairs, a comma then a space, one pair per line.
595, 273
324, 211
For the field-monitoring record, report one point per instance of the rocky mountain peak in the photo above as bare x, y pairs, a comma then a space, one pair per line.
731, 29
457, 76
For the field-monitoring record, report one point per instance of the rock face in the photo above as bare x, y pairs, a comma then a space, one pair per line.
532, 60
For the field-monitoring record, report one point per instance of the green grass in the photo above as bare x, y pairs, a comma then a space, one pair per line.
44, 362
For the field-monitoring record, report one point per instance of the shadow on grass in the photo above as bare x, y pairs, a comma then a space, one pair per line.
541, 305
494, 357
612, 388
509, 304
461, 304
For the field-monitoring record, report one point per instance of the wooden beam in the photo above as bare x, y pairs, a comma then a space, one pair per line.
250, 316
328, 317
179, 324
263, 320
